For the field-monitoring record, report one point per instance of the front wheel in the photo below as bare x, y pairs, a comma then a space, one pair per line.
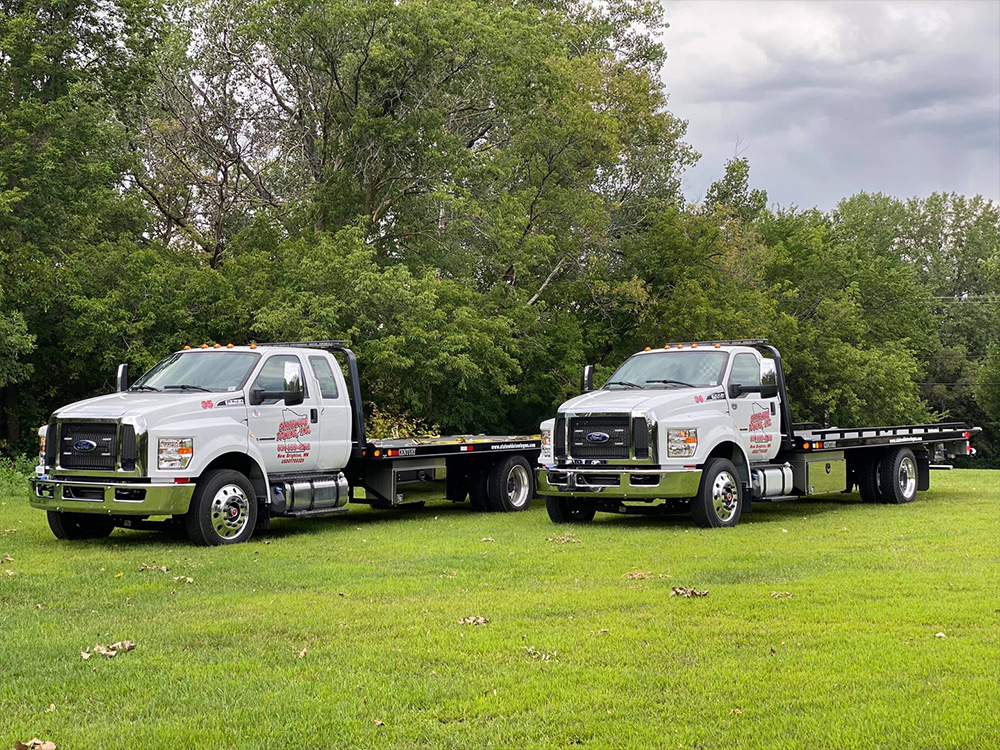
719, 501
223, 509
79, 525
565, 510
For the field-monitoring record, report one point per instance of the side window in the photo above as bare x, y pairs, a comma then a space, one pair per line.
746, 370
324, 374
277, 373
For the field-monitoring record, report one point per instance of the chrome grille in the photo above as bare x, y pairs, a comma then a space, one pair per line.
73, 441
616, 445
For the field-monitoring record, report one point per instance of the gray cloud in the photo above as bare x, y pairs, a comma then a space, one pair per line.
832, 98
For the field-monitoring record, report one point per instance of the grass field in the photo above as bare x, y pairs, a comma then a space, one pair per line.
344, 632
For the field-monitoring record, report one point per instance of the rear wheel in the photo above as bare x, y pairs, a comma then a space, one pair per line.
223, 509
510, 485
565, 510
898, 475
479, 496
719, 501
869, 483
79, 525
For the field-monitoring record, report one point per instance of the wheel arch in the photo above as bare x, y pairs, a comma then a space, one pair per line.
732, 452
248, 467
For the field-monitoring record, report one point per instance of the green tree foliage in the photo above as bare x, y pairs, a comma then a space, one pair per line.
479, 196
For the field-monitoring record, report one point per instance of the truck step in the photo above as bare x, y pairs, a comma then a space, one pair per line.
315, 513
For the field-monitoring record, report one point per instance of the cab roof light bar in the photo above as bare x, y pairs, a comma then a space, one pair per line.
733, 342
308, 344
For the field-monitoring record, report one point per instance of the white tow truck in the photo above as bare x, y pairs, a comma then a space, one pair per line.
222, 439
705, 427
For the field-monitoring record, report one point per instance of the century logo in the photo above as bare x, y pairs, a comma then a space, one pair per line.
598, 437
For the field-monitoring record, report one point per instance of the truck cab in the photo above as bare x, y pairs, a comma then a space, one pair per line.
232, 422
706, 427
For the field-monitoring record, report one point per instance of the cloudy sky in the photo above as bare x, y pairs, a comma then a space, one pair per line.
832, 98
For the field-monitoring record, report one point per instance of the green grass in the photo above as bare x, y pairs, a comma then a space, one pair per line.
851, 660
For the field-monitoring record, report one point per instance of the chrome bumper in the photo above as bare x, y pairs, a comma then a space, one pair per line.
627, 484
110, 498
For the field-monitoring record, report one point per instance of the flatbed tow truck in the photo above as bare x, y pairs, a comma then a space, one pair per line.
222, 439
705, 427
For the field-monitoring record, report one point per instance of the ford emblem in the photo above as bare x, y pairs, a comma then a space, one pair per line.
84, 446
598, 437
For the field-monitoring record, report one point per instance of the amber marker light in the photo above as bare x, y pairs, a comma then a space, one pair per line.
718, 345
694, 346
217, 346
186, 347
229, 346
253, 346
646, 349
204, 346
807, 446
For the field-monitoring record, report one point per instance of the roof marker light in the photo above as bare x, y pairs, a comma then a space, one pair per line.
217, 346
646, 349
229, 346
186, 347
718, 345
204, 346
253, 346
694, 346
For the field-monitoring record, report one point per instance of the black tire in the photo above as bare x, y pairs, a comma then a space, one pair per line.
868, 480
719, 501
479, 496
223, 509
510, 485
898, 476
79, 525
566, 510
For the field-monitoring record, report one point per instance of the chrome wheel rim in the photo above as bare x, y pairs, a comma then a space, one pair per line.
517, 486
230, 511
907, 477
725, 496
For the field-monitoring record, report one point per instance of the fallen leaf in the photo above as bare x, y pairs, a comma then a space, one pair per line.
51, 708
773, 652
940, 635
637, 575
85, 655
185, 579
781, 595
564, 539
302, 653
488, 539
8, 558
784, 531
9, 572
379, 723
540, 655
686, 592
35, 744
38, 606
473, 620
123, 646
737, 712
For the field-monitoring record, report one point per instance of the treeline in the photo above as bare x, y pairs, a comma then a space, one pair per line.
479, 196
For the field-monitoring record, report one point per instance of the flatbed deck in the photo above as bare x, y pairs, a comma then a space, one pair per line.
836, 438
450, 445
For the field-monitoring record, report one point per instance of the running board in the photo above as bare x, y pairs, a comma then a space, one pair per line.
315, 513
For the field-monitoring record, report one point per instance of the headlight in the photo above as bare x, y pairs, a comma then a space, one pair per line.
682, 443
174, 453
546, 455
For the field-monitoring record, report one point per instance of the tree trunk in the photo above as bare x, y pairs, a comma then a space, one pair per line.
13, 418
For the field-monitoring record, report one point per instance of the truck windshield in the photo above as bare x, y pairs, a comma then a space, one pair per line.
690, 369
199, 371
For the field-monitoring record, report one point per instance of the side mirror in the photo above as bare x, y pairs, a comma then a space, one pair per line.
291, 398
588, 379
121, 378
769, 391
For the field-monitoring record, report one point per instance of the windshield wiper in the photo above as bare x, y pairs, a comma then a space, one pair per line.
673, 382
623, 382
144, 388
187, 387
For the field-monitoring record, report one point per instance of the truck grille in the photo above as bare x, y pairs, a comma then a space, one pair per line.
616, 428
75, 439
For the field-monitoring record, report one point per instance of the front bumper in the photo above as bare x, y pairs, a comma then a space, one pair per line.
109, 498
627, 484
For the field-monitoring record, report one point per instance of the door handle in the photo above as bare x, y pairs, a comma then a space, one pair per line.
314, 415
